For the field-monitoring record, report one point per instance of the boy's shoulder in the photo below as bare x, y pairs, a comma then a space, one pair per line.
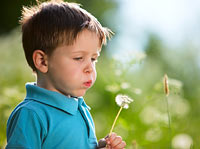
29, 109
29, 105
37, 113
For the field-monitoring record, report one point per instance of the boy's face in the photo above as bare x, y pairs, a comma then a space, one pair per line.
71, 68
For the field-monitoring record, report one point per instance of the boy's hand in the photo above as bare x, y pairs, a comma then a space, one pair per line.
115, 142
112, 142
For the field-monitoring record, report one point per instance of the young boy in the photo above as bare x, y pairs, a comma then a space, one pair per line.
61, 42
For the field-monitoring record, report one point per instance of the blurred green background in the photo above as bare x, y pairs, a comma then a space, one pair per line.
149, 42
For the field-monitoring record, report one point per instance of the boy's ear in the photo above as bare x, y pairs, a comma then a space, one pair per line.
40, 61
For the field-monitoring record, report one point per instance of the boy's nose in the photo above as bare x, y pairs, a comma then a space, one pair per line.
89, 68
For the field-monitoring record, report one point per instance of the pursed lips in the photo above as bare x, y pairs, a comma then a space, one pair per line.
88, 83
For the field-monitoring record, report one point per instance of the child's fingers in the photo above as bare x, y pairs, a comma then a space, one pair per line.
112, 136
116, 141
120, 145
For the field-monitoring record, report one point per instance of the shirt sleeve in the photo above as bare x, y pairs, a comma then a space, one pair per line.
24, 130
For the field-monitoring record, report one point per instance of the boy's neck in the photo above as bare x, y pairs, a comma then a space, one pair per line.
41, 82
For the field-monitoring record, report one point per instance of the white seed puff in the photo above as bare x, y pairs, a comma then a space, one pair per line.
123, 101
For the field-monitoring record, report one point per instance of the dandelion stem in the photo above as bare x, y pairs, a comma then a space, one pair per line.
169, 120
115, 120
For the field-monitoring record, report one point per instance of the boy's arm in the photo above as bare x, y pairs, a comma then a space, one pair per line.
24, 130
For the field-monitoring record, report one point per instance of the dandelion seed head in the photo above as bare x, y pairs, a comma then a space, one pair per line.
183, 141
112, 88
137, 91
153, 134
123, 101
125, 85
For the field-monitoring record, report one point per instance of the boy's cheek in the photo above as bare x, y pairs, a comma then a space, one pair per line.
94, 76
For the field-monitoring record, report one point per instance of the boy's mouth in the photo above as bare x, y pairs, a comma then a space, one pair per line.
88, 83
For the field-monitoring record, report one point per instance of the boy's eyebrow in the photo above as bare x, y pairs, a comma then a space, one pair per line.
77, 52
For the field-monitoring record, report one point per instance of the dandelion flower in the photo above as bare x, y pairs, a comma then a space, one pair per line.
123, 101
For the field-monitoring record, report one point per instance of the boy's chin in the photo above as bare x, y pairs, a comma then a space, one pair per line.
80, 94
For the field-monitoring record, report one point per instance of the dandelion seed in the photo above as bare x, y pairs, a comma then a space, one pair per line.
123, 101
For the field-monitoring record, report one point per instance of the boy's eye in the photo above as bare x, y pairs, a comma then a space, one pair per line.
78, 58
94, 59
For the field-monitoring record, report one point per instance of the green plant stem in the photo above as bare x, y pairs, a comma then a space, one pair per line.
115, 120
169, 121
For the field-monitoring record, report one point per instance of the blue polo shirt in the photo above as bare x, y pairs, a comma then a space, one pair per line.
50, 120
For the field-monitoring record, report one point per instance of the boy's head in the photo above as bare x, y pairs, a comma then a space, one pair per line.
62, 43
54, 23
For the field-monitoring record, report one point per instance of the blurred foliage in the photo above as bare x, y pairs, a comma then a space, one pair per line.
10, 12
144, 125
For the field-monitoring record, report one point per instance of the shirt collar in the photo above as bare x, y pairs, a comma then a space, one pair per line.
82, 103
55, 99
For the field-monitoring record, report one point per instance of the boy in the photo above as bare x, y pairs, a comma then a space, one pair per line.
61, 42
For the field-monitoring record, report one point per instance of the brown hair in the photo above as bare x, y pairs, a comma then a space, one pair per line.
50, 24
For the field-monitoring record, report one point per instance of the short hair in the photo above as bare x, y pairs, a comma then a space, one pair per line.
47, 25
